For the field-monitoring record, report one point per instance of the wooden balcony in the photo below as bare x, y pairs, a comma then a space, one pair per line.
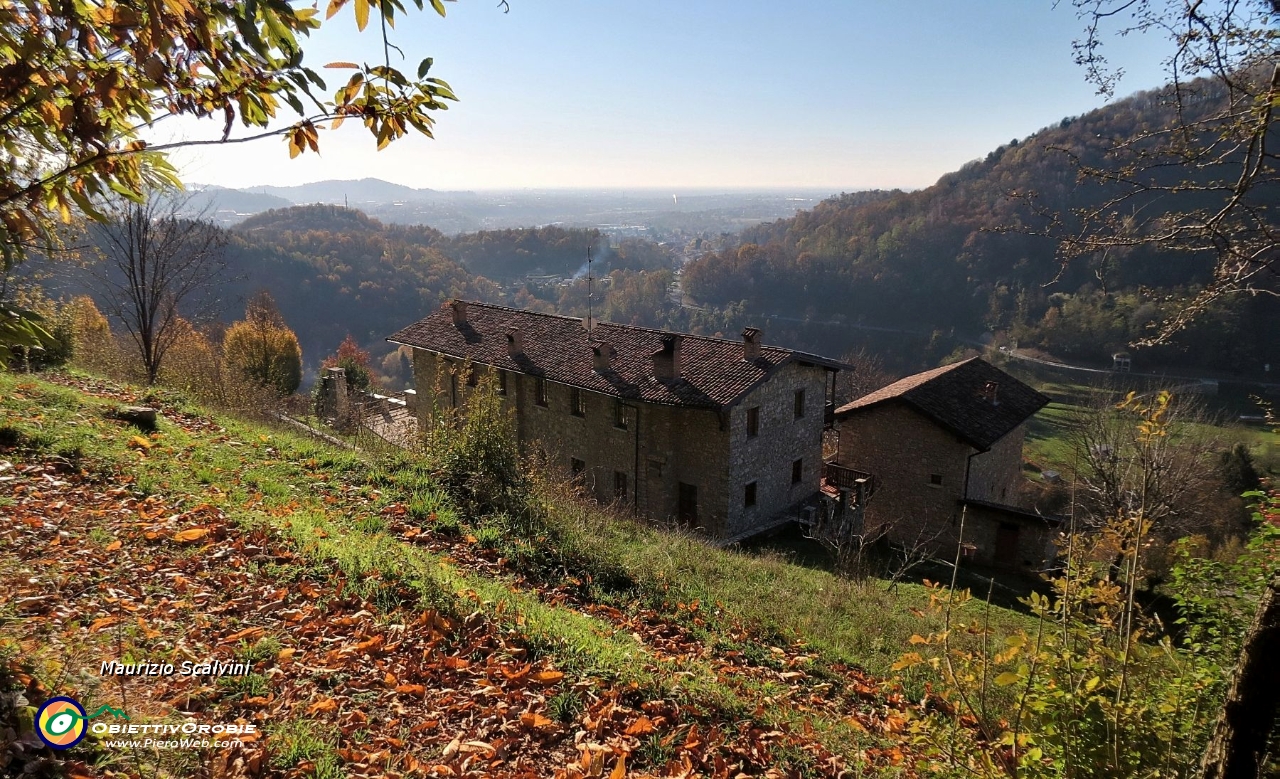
845, 478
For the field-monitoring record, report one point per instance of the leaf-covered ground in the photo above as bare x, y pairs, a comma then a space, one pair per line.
384, 639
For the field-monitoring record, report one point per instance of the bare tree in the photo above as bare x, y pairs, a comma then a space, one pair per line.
866, 374
1203, 180
1123, 470
155, 265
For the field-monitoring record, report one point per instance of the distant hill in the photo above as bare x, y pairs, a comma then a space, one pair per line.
334, 271
958, 255
354, 193
228, 206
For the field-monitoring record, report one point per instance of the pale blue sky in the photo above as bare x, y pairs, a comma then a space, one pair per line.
839, 94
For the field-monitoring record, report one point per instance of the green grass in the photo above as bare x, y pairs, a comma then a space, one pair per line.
327, 501
1049, 439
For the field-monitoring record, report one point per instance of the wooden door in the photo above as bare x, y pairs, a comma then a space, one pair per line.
1006, 544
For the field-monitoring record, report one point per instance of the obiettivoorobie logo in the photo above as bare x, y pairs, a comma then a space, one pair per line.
61, 722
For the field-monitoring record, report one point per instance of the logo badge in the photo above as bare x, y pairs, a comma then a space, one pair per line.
61, 722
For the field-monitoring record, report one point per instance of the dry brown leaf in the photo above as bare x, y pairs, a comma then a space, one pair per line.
248, 634
534, 720
113, 546
323, 705
640, 727
620, 768
100, 624
548, 677
193, 534
412, 689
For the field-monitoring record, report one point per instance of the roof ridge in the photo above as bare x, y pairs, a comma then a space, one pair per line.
640, 328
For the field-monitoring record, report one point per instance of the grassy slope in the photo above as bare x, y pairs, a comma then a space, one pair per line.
741, 643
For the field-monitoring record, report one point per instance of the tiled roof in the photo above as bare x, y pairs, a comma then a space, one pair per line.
713, 373
955, 396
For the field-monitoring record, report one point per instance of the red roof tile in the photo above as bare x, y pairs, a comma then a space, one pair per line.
713, 375
954, 396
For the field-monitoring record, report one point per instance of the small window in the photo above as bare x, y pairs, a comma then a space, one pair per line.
749, 495
577, 404
540, 391
799, 404
577, 466
620, 485
502, 382
797, 471
935, 479
619, 415
753, 422
655, 469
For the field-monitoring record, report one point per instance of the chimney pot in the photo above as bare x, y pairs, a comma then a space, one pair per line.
515, 342
751, 343
459, 309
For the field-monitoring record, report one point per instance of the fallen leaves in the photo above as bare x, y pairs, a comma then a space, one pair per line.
402, 690
191, 535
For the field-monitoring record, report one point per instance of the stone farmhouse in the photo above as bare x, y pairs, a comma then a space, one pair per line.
939, 443
720, 435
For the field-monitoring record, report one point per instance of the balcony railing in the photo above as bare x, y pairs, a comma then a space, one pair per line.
844, 478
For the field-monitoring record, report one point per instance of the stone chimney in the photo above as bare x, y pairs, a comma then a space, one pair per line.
666, 361
991, 393
751, 343
601, 357
515, 342
459, 309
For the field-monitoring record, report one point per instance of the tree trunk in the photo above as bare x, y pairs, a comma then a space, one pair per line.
1239, 740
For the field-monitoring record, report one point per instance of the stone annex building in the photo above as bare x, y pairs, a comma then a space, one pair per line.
721, 435
939, 443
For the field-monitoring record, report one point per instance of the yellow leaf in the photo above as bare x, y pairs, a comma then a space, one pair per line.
193, 534
114, 545
620, 769
138, 442
907, 660
917, 640
1007, 678
362, 14
285, 655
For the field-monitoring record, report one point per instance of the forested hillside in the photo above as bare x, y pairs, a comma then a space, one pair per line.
961, 254
335, 271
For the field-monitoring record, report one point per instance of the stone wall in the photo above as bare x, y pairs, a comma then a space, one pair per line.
655, 449
767, 458
994, 473
1034, 538
904, 451
908, 454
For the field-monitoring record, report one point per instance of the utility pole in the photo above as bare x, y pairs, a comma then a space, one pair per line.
590, 322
